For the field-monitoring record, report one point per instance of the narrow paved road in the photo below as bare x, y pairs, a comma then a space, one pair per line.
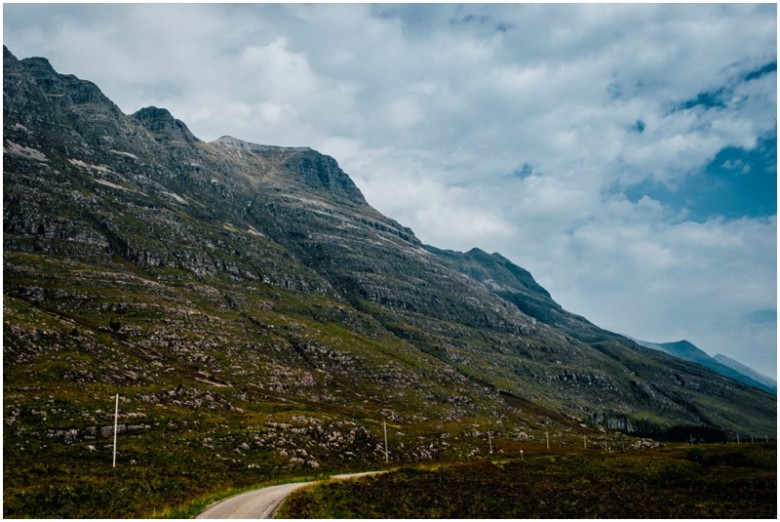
262, 503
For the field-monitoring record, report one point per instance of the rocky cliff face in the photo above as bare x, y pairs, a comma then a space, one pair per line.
222, 280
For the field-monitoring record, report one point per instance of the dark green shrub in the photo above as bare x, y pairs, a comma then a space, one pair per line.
695, 455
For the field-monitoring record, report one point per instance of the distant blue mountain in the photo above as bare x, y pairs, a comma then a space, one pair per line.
750, 372
720, 363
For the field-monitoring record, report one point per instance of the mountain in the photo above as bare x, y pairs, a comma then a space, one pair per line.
517, 286
768, 382
734, 370
259, 319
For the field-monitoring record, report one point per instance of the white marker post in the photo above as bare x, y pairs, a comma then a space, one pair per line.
116, 418
521, 456
490, 443
547, 436
387, 457
585, 442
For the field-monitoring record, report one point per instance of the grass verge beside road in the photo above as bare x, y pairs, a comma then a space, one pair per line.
707, 481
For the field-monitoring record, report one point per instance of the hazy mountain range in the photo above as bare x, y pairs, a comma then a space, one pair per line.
720, 363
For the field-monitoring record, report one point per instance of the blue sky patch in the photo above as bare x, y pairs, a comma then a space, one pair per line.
708, 100
523, 171
716, 97
736, 183
761, 71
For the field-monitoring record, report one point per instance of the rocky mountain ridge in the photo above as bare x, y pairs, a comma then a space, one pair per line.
247, 301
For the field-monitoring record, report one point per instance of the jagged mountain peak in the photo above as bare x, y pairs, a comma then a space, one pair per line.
323, 171
293, 168
499, 273
39, 65
163, 126
153, 113
34, 64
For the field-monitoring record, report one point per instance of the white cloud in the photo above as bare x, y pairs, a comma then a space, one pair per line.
666, 281
278, 73
403, 113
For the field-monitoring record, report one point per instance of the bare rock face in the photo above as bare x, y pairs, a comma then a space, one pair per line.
243, 277
164, 127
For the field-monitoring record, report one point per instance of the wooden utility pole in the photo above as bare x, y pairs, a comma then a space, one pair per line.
116, 421
387, 455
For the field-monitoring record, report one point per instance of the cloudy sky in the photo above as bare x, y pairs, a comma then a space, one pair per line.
624, 154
